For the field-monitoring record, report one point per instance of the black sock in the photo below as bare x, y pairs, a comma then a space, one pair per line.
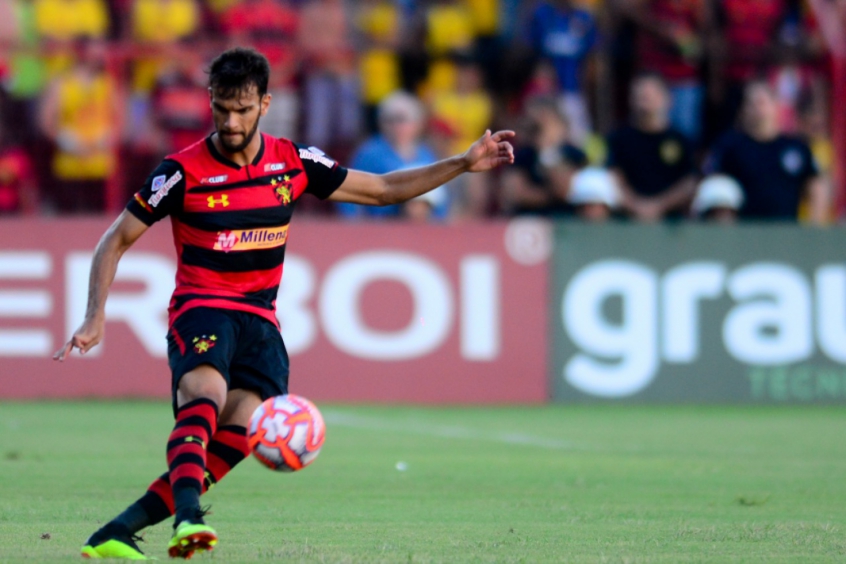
187, 501
133, 518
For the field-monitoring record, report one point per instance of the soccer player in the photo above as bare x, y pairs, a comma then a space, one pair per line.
230, 197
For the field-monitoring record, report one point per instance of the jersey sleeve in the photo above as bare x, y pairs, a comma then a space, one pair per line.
161, 195
324, 174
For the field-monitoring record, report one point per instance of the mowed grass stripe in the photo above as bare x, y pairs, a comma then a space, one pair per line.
526, 484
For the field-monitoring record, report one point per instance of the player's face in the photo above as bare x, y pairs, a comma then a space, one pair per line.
236, 119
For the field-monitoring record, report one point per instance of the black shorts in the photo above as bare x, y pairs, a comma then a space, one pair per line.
245, 348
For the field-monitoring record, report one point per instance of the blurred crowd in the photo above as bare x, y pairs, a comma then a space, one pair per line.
638, 109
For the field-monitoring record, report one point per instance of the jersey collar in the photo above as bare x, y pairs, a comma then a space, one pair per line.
223, 160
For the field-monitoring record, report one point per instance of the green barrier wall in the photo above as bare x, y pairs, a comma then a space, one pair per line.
696, 313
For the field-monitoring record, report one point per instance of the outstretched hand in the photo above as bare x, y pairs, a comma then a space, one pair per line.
85, 338
491, 151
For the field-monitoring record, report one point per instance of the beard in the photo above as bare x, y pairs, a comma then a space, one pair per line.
243, 144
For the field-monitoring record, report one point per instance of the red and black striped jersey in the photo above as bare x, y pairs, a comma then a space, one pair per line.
230, 222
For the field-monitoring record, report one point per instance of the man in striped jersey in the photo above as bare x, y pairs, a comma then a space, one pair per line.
230, 198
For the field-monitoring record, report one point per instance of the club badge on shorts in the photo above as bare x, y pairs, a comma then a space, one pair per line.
204, 343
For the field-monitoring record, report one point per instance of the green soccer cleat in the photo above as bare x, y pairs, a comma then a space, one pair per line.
189, 538
113, 541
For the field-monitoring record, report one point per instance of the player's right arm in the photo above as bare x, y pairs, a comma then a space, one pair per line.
489, 152
115, 241
161, 195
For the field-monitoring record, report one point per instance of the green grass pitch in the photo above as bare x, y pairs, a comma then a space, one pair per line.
543, 484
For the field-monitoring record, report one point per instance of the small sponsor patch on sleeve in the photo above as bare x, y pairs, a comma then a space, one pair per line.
158, 182
317, 157
156, 198
143, 204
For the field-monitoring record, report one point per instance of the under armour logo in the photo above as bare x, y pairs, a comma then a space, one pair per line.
224, 200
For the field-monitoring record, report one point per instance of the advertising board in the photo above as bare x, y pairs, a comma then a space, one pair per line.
696, 313
369, 313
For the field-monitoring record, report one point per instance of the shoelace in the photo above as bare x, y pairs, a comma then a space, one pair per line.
199, 514
135, 539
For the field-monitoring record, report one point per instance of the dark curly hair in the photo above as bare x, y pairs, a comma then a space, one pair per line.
236, 70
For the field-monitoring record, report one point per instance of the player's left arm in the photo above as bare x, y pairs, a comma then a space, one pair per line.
113, 244
489, 152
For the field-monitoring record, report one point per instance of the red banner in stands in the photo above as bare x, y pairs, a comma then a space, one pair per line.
381, 313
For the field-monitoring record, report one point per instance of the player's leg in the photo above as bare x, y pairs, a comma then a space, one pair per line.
201, 345
202, 341
198, 396
258, 369
190, 531
229, 445
226, 449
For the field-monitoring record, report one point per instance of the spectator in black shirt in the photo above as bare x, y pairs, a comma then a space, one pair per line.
652, 161
775, 170
539, 181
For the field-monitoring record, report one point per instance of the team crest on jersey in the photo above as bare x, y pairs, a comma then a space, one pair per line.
282, 189
204, 343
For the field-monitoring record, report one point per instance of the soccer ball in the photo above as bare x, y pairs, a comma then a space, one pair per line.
286, 433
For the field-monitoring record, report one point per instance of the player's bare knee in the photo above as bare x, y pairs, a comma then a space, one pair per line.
240, 405
202, 382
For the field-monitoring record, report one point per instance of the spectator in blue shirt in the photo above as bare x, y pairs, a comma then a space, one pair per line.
398, 146
776, 171
565, 36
